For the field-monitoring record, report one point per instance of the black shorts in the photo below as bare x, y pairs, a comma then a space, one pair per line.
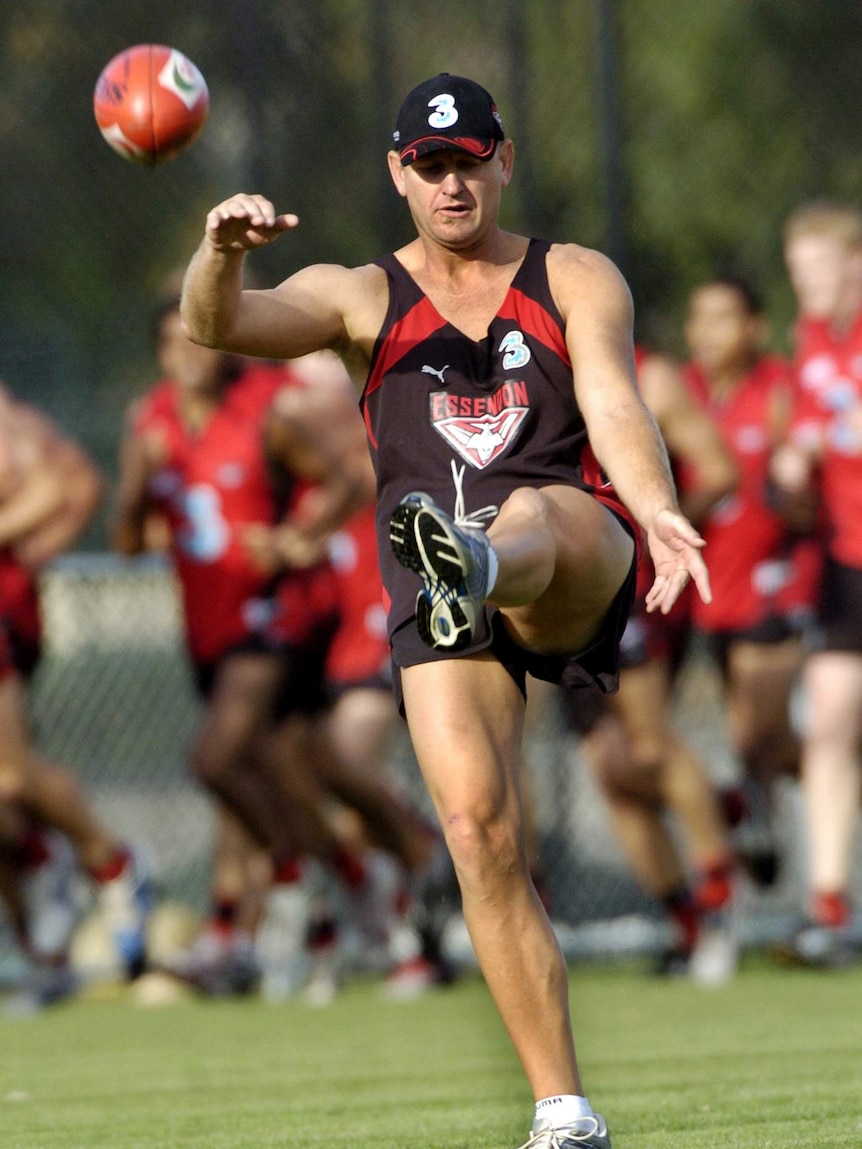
302, 687
20, 653
770, 631
839, 615
596, 667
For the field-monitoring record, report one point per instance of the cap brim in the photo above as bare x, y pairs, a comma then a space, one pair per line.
481, 148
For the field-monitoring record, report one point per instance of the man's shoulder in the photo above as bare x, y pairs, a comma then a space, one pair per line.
340, 277
584, 276
358, 294
575, 257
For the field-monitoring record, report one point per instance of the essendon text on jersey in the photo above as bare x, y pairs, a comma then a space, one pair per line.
509, 394
480, 427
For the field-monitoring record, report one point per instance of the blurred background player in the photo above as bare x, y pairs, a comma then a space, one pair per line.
311, 424
258, 627
194, 474
646, 769
821, 464
764, 574
49, 491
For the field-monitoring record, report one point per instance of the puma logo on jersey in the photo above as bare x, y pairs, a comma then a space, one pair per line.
480, 427
426, 370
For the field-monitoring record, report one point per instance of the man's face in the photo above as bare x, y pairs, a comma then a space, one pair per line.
821, 270
453, 197
720, 331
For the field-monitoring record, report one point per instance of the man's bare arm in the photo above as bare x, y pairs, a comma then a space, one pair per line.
318, 307
596, 304
127, 528
691, 437
84, 490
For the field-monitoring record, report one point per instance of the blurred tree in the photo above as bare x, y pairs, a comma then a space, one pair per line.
734, 113
729, 113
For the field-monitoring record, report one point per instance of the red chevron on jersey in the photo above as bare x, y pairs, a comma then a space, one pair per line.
418, 324
535, 321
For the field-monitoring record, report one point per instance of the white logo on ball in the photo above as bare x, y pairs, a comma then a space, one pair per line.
446, 114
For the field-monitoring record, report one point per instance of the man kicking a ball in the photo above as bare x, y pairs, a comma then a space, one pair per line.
499, 383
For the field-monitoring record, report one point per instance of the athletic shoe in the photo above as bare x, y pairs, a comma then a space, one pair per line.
324, 974
673, 962
126, 903
819, 947
49, 905
591, 1132
715, 955
413, 977
281, 939
452, 562
220, 963
44, 986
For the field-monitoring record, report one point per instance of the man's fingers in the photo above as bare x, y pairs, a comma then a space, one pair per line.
666, 589
245, 222
701, 578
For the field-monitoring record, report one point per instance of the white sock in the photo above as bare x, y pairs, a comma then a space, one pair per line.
493, 570
563, 1110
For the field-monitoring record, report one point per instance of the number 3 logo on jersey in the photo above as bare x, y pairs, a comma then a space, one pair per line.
205, 535
446, 114
515, 351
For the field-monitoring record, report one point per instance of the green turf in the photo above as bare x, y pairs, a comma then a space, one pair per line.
774, 1059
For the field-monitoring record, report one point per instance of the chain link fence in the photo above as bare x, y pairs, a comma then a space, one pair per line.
114, 701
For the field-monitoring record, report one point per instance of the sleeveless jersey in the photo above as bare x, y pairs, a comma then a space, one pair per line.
469, 421
211, 485
829, 413
757, 567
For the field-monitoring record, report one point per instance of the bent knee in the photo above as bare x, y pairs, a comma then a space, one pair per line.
638, 778
482, 849
528, 502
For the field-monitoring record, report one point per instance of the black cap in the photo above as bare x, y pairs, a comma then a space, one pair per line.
447, 112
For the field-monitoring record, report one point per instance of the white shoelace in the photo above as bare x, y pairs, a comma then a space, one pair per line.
549, 1138
472, 520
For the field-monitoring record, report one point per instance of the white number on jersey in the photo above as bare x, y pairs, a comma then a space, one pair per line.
516, 353
206, 534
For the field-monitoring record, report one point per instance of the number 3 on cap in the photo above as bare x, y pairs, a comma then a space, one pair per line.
446, 114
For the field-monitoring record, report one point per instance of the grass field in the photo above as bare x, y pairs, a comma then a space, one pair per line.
774, 1059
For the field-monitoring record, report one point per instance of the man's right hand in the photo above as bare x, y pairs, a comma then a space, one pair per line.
245, 222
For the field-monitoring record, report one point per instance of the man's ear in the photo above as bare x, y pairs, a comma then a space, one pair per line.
506, 152
396, 170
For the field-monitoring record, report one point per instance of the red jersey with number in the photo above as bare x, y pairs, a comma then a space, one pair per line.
213, 482
758, 568
828, 415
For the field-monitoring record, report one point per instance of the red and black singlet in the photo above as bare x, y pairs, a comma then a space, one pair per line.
469, 421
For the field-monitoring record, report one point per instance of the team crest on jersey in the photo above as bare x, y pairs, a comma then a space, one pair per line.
480, 427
